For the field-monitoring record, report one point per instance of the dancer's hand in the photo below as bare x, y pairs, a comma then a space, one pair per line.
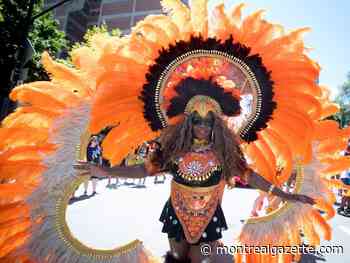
301, 198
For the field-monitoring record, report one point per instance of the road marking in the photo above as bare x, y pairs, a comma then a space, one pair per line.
345, 229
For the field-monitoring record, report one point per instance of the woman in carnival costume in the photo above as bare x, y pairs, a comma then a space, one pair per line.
179, 76
203, 155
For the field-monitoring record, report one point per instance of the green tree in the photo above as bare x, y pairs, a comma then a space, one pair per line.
44, 35
1, 16
343, 99
102, 29
87, 39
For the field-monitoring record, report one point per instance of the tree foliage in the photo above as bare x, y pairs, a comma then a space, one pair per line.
88, 38
343, 99
44, 35
102, 29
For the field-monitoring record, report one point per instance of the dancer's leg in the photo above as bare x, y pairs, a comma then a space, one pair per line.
347, 202
86, 184
179, 250
94, 185
343, 203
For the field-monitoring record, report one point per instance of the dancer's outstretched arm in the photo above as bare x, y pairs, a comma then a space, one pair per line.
259, 182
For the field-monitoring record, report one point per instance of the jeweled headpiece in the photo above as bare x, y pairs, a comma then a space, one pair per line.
202, 95
203, 104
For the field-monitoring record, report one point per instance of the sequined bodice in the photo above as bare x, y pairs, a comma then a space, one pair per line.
197, 169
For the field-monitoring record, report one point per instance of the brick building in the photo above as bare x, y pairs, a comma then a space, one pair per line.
77, 16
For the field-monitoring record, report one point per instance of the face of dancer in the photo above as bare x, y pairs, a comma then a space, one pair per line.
202, 127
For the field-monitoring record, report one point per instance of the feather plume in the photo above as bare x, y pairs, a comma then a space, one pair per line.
293, 216
199, 17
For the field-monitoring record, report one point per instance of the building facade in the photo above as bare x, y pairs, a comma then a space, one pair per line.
76, 16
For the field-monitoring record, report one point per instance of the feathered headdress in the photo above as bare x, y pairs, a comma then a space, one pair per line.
171, 83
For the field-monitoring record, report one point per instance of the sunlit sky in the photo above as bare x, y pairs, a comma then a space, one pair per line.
330, 35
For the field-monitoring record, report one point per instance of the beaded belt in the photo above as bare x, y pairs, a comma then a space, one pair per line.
195, 206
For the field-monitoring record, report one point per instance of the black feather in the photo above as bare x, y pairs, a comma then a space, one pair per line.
191, 87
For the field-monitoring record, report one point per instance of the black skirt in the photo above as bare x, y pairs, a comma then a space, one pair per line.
173, 227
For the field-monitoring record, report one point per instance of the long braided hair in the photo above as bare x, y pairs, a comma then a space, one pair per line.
176, 140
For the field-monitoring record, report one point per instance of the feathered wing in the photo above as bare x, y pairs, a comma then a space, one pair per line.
27, 142
283, 226
38, 149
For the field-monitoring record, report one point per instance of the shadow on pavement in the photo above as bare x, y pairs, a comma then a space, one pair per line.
138, 186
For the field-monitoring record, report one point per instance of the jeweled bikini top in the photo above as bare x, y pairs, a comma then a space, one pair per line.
198, 166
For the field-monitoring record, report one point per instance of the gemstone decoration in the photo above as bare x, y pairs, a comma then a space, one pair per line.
198, 166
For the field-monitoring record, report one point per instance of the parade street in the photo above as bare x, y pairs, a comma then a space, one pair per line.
121, 213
